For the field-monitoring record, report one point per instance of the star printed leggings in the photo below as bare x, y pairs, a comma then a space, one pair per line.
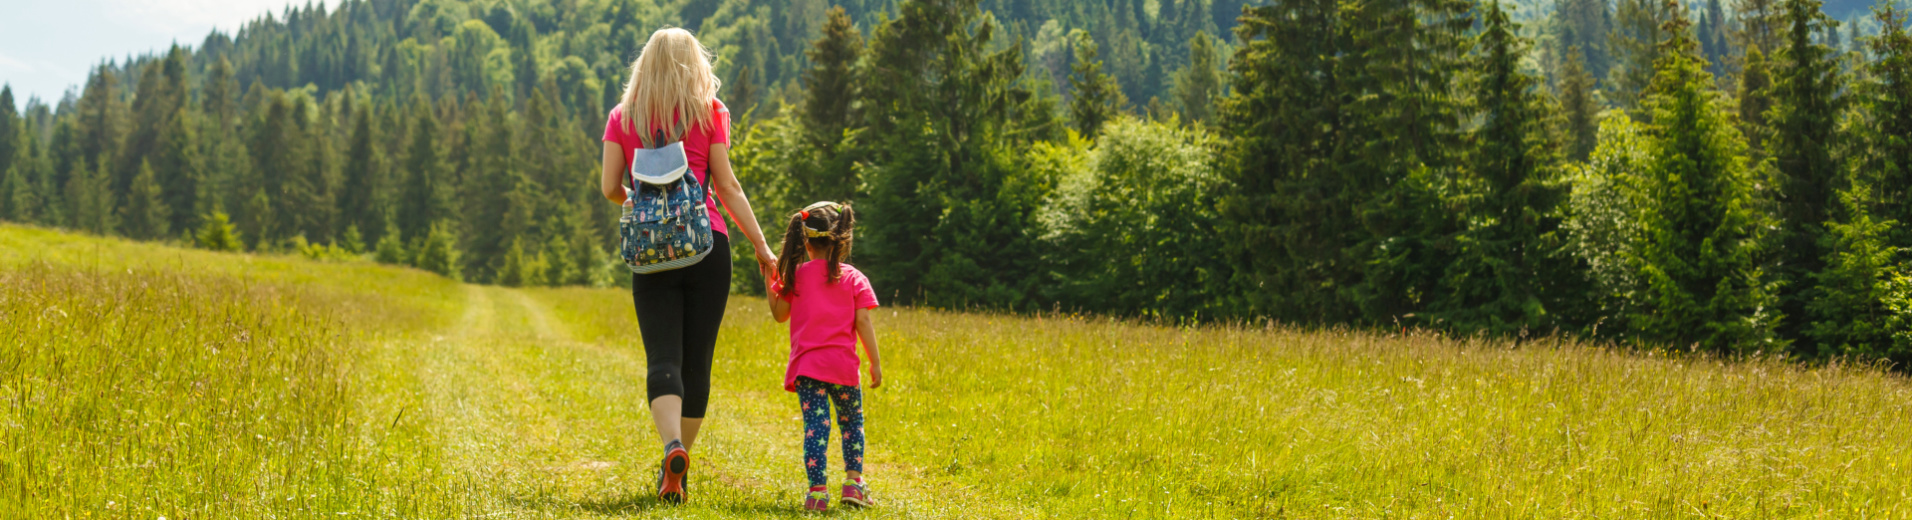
817, 396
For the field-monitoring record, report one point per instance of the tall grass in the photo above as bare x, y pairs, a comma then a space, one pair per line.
198, 389
141, 381
1090, 418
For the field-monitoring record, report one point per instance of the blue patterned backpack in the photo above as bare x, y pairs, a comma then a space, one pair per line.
665, 224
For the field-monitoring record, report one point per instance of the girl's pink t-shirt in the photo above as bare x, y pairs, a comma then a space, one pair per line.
823, 324
697, 142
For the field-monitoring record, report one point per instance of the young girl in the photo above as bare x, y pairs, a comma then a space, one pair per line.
828, 305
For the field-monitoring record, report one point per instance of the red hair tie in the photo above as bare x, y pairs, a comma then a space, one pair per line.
805, 214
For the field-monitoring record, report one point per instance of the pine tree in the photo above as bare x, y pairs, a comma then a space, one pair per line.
1403, 144
1713, 30
101, 117
830, 109
497, 198
256, 220
438, 252
958, 226
1807, 99
513, 265
1636, 46
1883, 154
1507, 268
1097, 97
91, 191
180, 169
1199, 85
1291, 211
391, 250
1583, 25
352, 241
1577, 104
1705, 283
162, 93
1753, 101
1758, 23
559, 267
1850, 312
218, 233
1862, 306
145, 213
426, 199
358, 207
10, 129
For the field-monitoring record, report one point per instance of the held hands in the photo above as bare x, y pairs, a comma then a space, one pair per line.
766, 262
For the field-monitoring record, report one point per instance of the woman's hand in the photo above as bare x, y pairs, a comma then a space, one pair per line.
766, 262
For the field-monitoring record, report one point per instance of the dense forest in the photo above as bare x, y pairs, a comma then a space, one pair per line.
1729, 177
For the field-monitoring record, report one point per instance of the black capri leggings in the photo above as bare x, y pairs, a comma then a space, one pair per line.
678, 312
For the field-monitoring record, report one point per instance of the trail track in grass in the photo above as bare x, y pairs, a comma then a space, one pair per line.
139, 381
549, 426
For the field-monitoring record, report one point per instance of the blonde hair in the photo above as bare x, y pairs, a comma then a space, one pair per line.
671, 76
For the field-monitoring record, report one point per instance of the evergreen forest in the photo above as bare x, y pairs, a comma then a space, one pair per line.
1727, 176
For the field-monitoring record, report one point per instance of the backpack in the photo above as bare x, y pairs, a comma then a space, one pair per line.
665, 224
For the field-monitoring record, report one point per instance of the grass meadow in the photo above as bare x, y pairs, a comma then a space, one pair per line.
142, 381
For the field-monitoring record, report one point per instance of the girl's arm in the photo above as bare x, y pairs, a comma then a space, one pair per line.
868, 332
612, 181
731, 193
779, 307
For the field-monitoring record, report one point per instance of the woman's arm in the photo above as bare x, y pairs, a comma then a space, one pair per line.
731, 193
867, 332
612, 181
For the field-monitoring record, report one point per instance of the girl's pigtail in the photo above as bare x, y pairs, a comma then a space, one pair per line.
840, 240
791, 257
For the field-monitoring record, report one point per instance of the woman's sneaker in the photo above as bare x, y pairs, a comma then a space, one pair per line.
818, 500
670, 476
856, 493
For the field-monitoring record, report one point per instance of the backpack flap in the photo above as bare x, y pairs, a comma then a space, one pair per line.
661, 165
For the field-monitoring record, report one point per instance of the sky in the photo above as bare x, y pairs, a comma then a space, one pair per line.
47, 46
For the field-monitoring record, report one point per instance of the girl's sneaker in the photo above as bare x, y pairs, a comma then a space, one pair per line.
817, 500
670, 476
856, 493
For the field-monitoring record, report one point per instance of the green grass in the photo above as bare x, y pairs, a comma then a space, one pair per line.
143, 381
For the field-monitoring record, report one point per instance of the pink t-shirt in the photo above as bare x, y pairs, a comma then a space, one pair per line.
697, 142
823, 324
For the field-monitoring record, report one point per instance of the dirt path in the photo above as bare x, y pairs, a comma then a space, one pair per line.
539, 425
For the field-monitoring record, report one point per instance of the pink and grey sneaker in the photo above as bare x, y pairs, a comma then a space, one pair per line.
857, 493
818, 500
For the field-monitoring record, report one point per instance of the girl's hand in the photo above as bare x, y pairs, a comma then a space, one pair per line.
876, 376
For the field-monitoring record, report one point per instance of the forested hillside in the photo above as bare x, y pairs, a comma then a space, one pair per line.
1727, 175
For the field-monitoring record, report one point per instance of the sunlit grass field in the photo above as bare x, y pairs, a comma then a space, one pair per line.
142, 381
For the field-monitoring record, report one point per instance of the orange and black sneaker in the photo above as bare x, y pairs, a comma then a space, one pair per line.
670, 476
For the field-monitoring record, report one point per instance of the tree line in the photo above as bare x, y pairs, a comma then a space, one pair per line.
1726, 180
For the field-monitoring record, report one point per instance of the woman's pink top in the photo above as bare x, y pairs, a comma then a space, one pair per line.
823, 324
697, 142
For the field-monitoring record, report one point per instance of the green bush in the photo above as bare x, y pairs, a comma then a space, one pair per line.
438, 253
218, 234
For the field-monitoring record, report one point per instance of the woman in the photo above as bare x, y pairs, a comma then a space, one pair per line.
672, 90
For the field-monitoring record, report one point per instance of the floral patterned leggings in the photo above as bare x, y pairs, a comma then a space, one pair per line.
816, 397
